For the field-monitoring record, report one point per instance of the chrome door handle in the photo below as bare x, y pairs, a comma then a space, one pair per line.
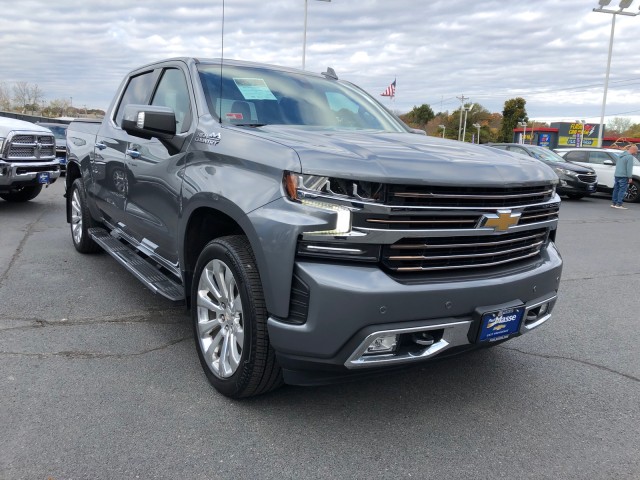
133, 153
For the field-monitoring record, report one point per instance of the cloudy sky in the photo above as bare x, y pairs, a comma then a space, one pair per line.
551, 52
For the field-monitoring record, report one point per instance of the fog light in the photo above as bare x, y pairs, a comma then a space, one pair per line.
385, 343
544, 308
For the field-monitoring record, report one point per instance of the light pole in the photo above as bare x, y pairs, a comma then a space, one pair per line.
478, 126
603, 3
443, 129
304, 38
523, 125
581, 134
464, 128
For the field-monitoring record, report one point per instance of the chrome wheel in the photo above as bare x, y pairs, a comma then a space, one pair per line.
76, 217
220, 322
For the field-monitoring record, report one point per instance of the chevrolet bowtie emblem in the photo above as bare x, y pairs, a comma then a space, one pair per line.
501, 221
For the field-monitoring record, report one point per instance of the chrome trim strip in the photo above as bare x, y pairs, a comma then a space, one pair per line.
458, 245
465, 255
472, 197
455, 334
332, 249
457, 267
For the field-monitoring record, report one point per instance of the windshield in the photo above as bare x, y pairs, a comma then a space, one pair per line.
257, 96
546, 155
58, 132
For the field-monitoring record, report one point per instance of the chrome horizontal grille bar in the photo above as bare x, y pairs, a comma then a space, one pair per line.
446, 253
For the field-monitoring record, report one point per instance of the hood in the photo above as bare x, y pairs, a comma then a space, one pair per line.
574, 167
404, 158
11, 124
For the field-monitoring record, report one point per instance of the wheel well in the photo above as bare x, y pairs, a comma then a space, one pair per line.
204, 225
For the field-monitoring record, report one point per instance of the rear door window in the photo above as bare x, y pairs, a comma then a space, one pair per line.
577, 156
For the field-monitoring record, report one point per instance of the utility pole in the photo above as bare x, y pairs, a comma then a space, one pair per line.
462, 98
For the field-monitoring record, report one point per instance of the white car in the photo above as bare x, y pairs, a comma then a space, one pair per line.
603, 161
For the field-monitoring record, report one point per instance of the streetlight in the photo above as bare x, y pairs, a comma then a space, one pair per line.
523, 125
304, 38
443, 129
464, 128
581, 133
478, 126
603, 3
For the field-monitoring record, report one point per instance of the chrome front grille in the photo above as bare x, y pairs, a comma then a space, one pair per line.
587, 177
35, 147
471, 197
448, 220
463, 252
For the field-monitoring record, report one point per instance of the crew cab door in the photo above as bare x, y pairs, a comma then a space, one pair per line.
110, 182
153, 171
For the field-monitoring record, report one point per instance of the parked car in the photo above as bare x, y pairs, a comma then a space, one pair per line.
59, 131
603, 161
576, 181
27, 160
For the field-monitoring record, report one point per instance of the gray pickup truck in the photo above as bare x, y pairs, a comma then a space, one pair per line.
27, 160
313, 236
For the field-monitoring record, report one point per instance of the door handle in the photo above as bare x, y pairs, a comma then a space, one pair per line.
133, 153
100, 146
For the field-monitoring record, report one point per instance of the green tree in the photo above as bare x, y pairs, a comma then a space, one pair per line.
421, 115
514, 112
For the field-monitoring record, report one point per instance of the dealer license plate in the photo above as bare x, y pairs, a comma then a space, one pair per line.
592, 188
44, 177
500, 324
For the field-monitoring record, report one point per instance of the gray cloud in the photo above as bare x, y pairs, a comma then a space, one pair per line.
551, 52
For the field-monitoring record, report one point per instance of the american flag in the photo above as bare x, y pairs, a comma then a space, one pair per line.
390, 91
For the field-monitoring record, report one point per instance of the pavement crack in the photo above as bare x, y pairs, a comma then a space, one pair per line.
92, 355
18, 252
583, 362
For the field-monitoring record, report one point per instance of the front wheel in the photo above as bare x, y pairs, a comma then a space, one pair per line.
81, 220
23, 194
230, 320
633, 192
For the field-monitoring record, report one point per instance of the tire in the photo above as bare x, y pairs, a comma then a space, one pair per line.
230, 320
23, 194
633, 192
81, 220
575, 196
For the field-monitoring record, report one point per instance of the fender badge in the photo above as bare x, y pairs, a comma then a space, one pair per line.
210, 139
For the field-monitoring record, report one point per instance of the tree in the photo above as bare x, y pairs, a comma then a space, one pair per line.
25, 95
619, 125
514, 112
421, 115
5, 98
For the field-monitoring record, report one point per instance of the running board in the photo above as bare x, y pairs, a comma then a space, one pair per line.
126, 256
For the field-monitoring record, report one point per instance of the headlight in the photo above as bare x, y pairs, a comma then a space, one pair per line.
571, 173
315, 191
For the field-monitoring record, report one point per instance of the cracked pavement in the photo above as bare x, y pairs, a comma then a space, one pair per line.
99, 379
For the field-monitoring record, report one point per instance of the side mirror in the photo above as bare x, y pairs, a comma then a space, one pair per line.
418, 131
608, 162
146, 121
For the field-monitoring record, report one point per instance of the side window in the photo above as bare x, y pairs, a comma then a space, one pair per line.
500, 147
172, 92
577, 156
137, 92
598, 157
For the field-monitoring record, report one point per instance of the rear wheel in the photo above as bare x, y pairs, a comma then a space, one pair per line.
81, 220
23, 194
230, 320
633, 192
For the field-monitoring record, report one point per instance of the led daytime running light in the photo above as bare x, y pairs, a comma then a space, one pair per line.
343, 216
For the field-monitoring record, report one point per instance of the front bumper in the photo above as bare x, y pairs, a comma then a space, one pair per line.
570, 184
20, 174
350, 304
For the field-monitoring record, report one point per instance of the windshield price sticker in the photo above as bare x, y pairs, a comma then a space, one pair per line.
500, 324
254, 89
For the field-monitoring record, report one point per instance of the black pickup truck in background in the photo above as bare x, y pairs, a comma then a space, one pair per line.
313, 236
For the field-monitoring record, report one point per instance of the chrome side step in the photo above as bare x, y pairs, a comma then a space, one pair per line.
126, 256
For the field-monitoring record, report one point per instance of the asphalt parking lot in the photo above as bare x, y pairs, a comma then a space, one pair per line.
99, 378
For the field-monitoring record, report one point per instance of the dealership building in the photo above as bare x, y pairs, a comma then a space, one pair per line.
568, 134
